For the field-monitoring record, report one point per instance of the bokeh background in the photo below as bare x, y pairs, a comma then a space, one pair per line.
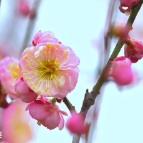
81, 25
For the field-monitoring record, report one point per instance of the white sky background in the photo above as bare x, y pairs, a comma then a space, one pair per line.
76, 23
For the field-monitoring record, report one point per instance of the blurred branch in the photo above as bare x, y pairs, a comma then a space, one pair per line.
31, 25
110, 18
96, 89
112, 13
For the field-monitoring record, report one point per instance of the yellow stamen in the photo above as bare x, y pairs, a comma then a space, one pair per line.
48, 45
27, 79
65, 52
39, 123
26, 57
67, 74
39, 91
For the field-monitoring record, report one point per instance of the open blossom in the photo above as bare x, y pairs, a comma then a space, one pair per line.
15, 128
50, 69
47, 114
9, 73
23, 90
76, 124
134, 51
121, 71
44, 37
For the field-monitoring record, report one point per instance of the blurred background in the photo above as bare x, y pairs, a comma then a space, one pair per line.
81, 25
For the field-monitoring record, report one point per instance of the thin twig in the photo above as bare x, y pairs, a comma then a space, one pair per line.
68, 104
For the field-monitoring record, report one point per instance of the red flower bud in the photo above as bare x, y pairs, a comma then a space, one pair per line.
134, 50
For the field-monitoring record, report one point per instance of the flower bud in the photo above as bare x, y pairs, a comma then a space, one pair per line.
24, 8
46, 113
27, 95
134, 50
129, 3
121, 71
76, 124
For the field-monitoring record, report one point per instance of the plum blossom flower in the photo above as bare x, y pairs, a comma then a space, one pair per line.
134, 50
50, 69
76, 124
23, 90
47, 114
15, 128
121, 71
9, 73
44, 37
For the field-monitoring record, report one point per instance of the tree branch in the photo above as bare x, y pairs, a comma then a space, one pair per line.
90, 97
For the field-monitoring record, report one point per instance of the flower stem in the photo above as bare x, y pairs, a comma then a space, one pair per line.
68, 104
90, 97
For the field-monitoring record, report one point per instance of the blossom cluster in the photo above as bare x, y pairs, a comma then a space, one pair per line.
49, 69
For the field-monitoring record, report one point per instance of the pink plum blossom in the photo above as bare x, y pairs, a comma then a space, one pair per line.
129, 3
23, 90
15, 128
121, 71
76, 124
45, 37
47, 114
9, 73
50, 69
134, 51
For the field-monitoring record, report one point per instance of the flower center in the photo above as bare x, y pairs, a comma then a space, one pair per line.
15, 71
48, 69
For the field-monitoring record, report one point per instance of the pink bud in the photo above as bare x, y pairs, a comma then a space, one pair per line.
24, 8
129, 3
134, 50
76, 124
27, 95
119, 30
44, 37
121, 71
46, 113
